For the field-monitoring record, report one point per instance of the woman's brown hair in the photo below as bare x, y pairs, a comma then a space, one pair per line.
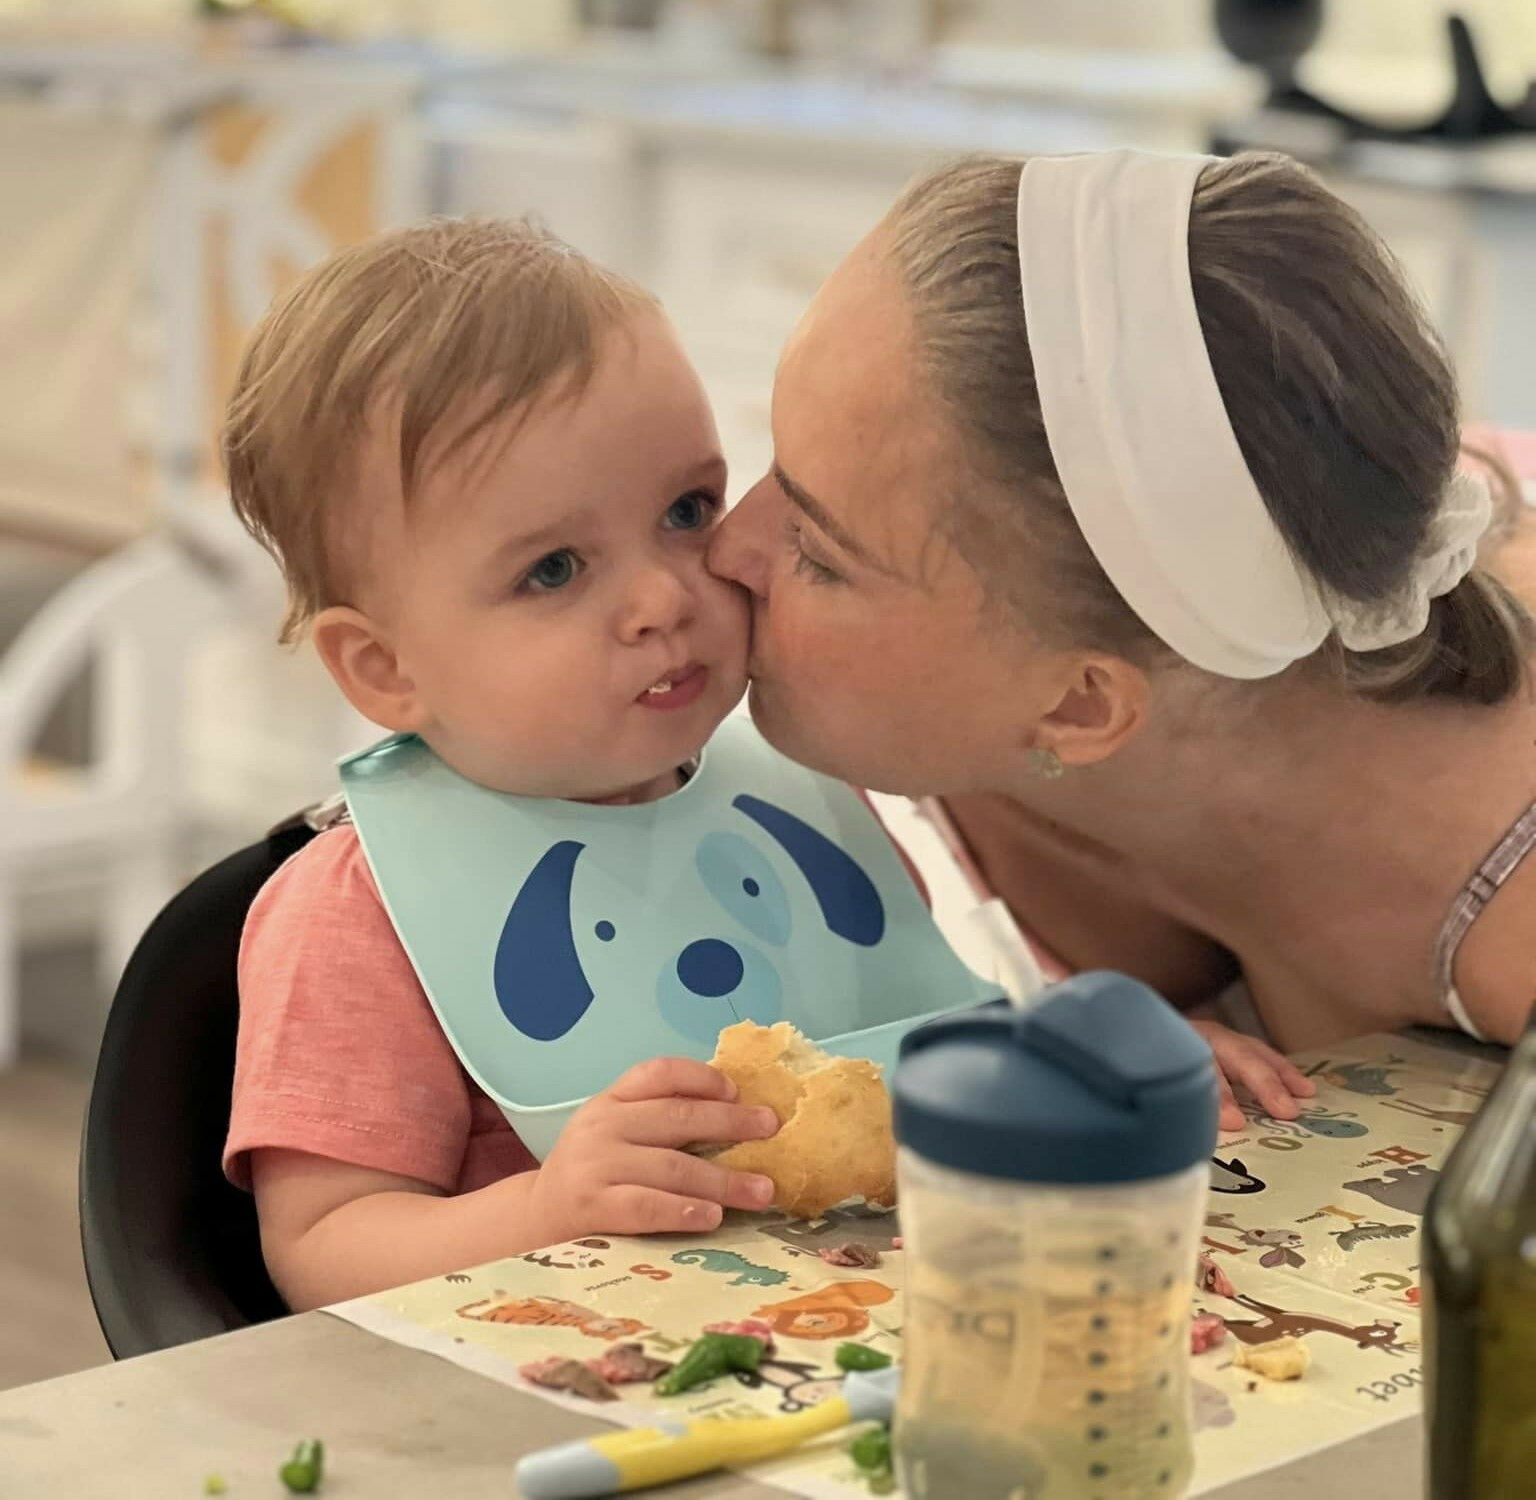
1340, 394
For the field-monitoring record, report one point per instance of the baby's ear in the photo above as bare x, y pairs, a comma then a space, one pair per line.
361, 659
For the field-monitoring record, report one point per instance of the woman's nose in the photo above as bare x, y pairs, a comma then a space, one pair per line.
741, 550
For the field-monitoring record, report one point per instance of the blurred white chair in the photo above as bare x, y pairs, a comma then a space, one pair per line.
132, 620
263, 170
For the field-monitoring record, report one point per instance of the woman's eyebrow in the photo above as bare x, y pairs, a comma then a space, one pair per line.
824, 520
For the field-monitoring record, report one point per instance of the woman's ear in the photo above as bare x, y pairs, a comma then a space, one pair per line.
358, 654
1103, 704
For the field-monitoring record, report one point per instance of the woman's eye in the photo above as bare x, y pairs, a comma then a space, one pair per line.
692, 511
553, 571
807, 566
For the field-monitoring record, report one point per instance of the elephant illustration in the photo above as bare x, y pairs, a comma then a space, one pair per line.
1406, 1189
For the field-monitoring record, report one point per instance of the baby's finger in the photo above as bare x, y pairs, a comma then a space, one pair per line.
631, 1209
685, 1176
673, 1077
693, 1122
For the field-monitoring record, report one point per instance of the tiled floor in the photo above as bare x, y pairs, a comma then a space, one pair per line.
47, 1327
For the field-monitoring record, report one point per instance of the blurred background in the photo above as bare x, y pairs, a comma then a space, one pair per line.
167, 165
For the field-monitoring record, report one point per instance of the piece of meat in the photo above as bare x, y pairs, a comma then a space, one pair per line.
853, 1254
751, 1328
571, 1375
1206, 1330
898, 1243
1211, 1278
628, 1364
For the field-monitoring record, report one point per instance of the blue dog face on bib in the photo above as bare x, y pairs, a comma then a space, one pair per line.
561, 943
732, 974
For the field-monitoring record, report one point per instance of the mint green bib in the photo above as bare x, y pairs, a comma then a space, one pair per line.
560, 943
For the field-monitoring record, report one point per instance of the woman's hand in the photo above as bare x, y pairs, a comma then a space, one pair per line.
1273, 1081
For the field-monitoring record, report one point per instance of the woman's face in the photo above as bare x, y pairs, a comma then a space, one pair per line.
875, 655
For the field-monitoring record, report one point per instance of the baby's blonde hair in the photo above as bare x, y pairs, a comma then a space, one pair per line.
455, 323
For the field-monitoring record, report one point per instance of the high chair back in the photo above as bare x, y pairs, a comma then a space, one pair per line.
172, 1251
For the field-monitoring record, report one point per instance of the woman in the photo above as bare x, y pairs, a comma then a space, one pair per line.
1115, 502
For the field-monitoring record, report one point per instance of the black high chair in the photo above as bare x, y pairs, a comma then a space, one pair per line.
172, 1251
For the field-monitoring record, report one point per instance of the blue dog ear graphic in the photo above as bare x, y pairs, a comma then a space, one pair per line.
849, 902
540, 984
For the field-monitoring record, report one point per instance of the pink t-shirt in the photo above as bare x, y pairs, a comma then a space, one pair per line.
339, 1052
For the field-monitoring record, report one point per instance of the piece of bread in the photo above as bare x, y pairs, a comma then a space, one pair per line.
1284, 1358
834, 1142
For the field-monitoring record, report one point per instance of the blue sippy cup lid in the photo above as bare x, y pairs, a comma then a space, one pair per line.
1100, 1080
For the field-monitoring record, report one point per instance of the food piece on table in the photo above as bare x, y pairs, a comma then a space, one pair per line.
861, 1357
302, 1474
750, 1328
853, 1254
628, 1364
1209, 1277
556, 1374
834, 1142
871, 1455
1280, 1359
1206, 1330
709, 1356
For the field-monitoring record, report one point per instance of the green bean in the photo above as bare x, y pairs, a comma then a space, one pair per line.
708, 1356
871, 1450
302, 1473
861, 1357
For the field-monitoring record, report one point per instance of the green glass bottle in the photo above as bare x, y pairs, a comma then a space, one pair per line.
1479, 1279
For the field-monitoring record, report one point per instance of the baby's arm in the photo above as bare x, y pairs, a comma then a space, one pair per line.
330, 1230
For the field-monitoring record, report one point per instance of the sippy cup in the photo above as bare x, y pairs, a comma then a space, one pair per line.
1053, 1168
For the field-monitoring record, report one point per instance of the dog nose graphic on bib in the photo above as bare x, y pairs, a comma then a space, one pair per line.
559, 943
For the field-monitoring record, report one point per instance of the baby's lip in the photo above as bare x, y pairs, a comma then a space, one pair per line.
670, 679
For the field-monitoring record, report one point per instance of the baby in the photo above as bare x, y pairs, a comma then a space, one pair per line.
490, 477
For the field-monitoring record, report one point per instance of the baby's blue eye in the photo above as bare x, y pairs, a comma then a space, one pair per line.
554, 571
691, 511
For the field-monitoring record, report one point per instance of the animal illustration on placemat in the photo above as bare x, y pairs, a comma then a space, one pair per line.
1359, 1234
800, 1385
830, 1312
1233, 1177
577, 1256
743, 1272
1334, 1124
1359, 1077
1276, 1322
878, 1228
1461, 1118
1406, 1189
1281, 1247
550, 1312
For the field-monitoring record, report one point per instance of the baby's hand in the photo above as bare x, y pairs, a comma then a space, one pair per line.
619, 1166
1273, 1081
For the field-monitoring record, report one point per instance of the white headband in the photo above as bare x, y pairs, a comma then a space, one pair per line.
1141, 439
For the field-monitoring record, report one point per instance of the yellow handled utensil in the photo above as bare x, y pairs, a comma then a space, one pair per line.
640, 1457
